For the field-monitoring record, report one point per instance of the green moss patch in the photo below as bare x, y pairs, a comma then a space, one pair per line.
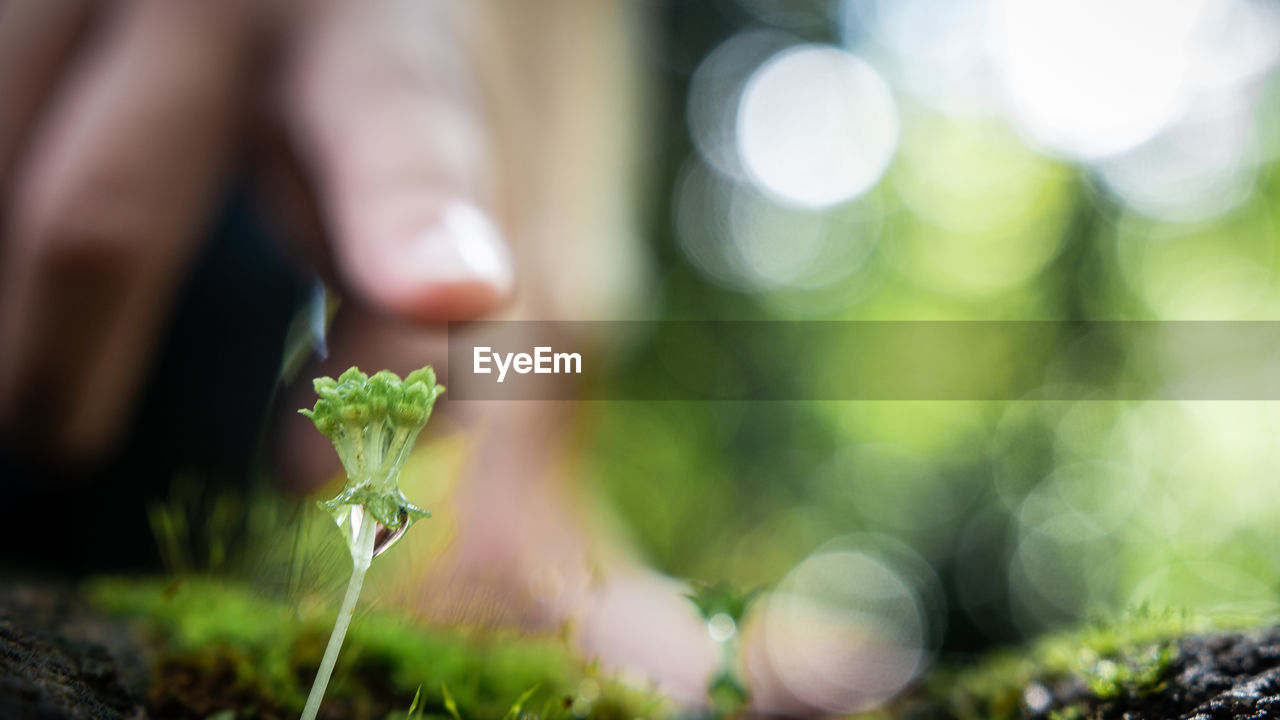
222, 647
1066, 676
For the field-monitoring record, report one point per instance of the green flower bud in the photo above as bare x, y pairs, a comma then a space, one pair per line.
322, 418
411, 408
353, 376
359, 414
381, 388
425, 375
355, 414
330, 395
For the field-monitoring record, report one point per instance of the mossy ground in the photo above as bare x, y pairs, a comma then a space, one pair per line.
1146, 665
1105, 659
222, 647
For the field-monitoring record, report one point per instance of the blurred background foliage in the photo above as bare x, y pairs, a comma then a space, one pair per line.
982, 160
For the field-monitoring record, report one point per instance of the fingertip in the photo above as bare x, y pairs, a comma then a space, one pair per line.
447, 302
458, 267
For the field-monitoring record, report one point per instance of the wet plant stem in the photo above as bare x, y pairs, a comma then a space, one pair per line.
361, 557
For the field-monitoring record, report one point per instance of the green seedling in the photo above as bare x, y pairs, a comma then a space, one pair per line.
415, 706
372, 422
724, 607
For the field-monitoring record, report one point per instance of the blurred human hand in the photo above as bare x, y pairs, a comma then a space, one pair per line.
117, 124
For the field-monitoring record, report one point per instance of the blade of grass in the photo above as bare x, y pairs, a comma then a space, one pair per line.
514, 712
417, 695
449, 703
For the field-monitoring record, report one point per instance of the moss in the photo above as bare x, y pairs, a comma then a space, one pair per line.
1074, 711
1129, 657
261, 654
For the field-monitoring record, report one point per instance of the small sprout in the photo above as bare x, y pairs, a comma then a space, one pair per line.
723, 607
514, 712
415, 706
728, 694
715, 598
372, 422
449, 703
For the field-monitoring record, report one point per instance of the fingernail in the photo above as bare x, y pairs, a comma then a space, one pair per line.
464, 246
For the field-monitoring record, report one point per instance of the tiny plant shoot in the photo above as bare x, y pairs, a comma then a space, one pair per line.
724, 607
373, 422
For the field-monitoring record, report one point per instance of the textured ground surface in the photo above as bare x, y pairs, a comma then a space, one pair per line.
1219, 676
55, 663
61, 661
1233, 676
198, 648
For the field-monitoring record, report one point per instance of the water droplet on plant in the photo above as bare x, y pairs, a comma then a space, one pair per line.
386, 537
353, 517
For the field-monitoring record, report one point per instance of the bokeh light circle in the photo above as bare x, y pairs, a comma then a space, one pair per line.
1093, 78
1197, 169
853, 623
744, 240
816, 126
934, 52
715, 90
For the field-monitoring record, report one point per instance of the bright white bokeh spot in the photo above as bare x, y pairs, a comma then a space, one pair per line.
816, 126
1237, 42
715, 90
1196, 170
721, 627
1206, 161
935, 52
1092, 78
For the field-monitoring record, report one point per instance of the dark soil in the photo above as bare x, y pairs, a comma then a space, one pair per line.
1220, 677
62, 660
58, 662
